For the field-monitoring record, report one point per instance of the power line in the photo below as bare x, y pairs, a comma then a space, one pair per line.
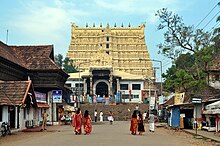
211, 19
207, 15
167, 64
213, 27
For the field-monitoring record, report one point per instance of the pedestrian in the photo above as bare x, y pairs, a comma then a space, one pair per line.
44, 123
87, 123
77, 122
151, 122
110, 117
137, 107
140, 124
101, 116
95, 115
144, 115
134, 123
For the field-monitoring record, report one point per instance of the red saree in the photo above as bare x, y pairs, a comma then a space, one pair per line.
87, 125
133, 127
77, 123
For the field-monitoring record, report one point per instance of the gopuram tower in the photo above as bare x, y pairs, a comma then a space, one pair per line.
109, 55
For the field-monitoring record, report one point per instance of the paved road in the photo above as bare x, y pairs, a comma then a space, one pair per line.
102, 135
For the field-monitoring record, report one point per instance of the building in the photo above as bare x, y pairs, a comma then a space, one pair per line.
111, 60
28, 77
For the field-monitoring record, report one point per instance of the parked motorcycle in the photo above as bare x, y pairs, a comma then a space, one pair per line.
5, 129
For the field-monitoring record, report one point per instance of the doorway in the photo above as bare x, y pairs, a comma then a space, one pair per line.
102, 89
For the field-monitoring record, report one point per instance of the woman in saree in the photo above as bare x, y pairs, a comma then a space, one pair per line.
77, 122
134, 123
140, 124
87, 123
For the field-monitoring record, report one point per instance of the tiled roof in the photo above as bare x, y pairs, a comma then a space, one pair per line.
35, 57
13, 92
7, 53
30, 57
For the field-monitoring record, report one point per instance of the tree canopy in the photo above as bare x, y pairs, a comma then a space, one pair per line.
66, 64
190, 49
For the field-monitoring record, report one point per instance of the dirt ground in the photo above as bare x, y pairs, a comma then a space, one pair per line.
181, 137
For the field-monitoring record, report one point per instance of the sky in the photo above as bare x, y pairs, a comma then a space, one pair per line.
46, 22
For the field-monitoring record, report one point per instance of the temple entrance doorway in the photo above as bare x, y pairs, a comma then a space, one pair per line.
102, 89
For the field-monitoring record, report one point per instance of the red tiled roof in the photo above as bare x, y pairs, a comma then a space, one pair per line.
30, 57
13, 92
7, 53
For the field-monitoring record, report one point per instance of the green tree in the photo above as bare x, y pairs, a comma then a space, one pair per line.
179, 38
190, 50
59, 60
66, 64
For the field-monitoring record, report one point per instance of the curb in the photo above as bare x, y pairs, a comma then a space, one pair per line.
204, 137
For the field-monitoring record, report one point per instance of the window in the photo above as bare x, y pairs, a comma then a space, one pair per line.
77, 85
100, 44
126, 96
107, 52
136, 96
124, 86
68, 84
136, 87
1, 114
107, 45
107, 38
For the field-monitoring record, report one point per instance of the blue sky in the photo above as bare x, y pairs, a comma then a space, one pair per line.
37, 22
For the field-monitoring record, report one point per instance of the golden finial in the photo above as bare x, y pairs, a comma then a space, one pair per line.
93, 24
115, 25
100, 24
122, 25
86, 24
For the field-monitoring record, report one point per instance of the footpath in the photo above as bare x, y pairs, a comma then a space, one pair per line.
204, 134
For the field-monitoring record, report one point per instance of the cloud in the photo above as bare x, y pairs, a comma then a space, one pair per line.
40, 20
145, 8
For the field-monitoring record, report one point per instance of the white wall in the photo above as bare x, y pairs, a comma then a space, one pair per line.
134, 92
5, 114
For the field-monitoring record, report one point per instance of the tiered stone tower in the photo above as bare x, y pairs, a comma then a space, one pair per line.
123, 48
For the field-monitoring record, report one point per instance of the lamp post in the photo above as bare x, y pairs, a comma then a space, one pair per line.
161, 83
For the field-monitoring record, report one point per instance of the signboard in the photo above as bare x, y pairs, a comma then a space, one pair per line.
152, 101
40, 97
57, 96
161, 99
196, 100
179, 98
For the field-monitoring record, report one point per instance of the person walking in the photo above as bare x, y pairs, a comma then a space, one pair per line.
95, 115
45, 115
151, 122
134, 123
101, 116
87, 123
140, 124
110, 117
77, 122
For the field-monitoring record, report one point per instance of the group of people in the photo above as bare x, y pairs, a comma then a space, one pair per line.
137, 122
77, 121
100, 116
110, 116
